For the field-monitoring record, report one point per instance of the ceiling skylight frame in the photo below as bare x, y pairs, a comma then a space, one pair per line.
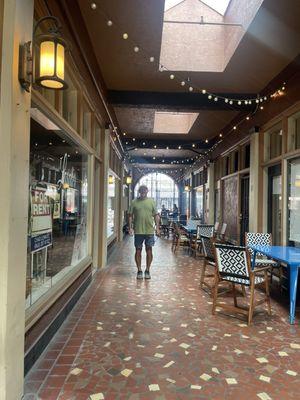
177, 123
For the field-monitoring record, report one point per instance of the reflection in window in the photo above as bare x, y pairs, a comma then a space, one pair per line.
97, 138
294, 201
70, 102
275, 143
199, 204
111, 200
57, 225
86, 123
161, 188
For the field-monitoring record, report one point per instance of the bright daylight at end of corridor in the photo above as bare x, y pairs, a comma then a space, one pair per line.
150, 208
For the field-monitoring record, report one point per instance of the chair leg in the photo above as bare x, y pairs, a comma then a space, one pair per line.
202, 274
234, 294
215, 294
250, 312
267, 293
244, 291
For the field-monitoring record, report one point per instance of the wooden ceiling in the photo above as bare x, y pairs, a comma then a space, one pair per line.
270, 44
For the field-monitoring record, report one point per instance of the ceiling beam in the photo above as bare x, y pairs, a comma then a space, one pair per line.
179, 101
132, 143
159, 160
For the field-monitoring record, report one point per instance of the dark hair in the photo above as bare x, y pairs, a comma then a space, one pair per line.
143, 187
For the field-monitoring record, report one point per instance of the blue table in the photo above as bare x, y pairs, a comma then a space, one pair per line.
289, 256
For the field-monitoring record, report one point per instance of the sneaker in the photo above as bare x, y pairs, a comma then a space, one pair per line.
147, 274
139, 275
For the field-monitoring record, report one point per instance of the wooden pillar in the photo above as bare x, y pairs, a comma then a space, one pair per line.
14, 178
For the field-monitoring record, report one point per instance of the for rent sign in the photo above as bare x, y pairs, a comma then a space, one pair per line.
41, 221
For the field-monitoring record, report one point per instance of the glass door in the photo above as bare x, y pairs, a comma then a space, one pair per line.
294, 203
275, 203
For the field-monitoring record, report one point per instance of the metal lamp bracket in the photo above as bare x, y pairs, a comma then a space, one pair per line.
25, 66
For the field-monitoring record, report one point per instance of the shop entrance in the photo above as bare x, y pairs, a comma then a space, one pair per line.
274, 203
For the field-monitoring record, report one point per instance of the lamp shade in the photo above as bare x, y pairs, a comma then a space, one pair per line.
128, 180
50, 62
186, 188
111, 179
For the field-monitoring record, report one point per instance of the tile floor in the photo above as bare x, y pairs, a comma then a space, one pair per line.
139, 340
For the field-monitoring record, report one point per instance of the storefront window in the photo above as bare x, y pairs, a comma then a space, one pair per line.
57, 224
275, 203
97, 137
275, 142
70, 102
294, 202
199, 204
86, 123
111, 200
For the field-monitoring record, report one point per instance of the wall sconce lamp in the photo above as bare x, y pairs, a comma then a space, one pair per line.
111, 179
297, 181
187, 188
128, 180
44, 63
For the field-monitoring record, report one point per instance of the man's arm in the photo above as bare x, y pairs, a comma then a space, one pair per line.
157, 223
130, 219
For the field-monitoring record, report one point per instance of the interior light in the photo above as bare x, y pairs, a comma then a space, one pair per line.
47, 60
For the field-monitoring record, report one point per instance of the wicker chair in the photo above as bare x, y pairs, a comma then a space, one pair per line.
263, 239
179, 238
195, 242
234, 266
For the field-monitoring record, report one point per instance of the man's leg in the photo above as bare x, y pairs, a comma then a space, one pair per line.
138, 258
138, 243
149, 258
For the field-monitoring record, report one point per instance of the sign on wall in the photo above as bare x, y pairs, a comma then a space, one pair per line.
41, 221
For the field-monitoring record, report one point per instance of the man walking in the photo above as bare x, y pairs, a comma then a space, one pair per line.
142, 215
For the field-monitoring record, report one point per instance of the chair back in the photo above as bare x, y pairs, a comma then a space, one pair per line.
208, 247
164, 221
216, 227
204, 230
223, 229
257, 238
233, 262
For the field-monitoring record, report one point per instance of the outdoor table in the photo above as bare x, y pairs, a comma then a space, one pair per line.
289, 256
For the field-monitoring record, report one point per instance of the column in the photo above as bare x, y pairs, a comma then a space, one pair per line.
105, 146
211, 193
14, 178
254, 184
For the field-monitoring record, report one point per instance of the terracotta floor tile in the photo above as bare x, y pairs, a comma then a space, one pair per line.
126, 336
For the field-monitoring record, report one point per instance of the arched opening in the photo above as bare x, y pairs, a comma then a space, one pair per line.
162, 189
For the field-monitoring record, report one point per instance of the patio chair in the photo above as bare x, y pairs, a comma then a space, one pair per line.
221, 236
179, 238
234, 266
164, 226
209, 261
195, 242
216, 227
263, 239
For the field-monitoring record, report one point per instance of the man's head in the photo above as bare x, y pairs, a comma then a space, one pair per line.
163, 207
143, 191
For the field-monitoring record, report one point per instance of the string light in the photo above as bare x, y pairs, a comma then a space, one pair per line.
136, 49
93, 6
109, 23
125, 36
172, 76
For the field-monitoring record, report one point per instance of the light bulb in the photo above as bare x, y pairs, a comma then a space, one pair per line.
239, 102
172, 76
93, 6
216, 99
136, 49
206, 140
109, 23
256, 101
191, 88
209, 96
125, 36
231, 102
203, 91
247, 118
151, 59
182, 83
234, 127
226, 100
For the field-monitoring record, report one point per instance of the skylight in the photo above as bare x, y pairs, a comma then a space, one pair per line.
173, 122
171, 3
218, 5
